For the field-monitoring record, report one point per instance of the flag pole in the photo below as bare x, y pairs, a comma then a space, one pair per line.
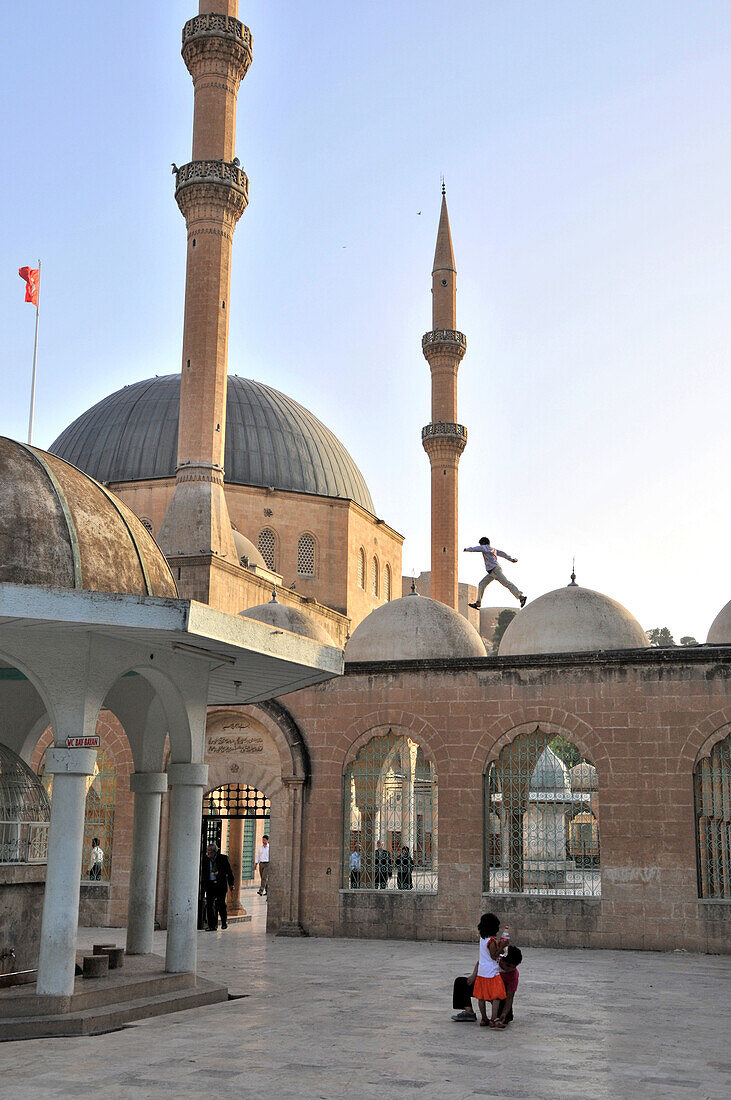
35, 359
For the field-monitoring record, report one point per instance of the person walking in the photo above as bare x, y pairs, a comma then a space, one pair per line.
262, 862
97, 861
494, 572
217, 879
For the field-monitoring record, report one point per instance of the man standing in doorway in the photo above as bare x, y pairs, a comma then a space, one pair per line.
494, 572
262, 862
217, 878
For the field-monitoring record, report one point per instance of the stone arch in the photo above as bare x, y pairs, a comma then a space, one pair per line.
702, 738
12, 662
348, 744
501, 731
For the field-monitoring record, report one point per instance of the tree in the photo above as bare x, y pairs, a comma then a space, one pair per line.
660, 636
504, 620
688, 639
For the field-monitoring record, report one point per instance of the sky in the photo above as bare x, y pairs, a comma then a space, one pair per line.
586, 149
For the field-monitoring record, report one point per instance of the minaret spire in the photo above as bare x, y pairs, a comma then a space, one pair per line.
444, 439
212, 193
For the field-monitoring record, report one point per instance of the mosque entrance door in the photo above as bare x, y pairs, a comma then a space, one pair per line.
235, 817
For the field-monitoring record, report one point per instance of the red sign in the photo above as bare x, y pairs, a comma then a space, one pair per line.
83, 742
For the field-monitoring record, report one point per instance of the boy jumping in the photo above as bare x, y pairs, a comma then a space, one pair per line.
494, 572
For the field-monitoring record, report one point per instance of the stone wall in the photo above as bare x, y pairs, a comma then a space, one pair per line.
21, 907
641, 717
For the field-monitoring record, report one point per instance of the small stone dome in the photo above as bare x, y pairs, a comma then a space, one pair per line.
572, 620
720, 632
292, 619
60, 529
550, 774
23, 797
583, 777
413, 628
245, 549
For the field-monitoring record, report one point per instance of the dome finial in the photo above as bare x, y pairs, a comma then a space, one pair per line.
413, 586
444, 186
274, 595
573, 574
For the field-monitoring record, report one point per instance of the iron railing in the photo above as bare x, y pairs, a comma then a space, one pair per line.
712, 783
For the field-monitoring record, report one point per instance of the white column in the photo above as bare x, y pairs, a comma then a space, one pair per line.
186, 804
70, 769
148, 789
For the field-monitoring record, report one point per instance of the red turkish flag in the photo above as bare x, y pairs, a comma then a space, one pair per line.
32, 283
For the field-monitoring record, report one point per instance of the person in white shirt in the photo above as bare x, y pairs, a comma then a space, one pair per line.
355, 866
494, 572
262, 862
97, 860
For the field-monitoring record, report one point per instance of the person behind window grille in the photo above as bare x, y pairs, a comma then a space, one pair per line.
97, 860
355, 866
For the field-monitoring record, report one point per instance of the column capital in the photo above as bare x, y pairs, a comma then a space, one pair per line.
293, 780
61, 761
148, 782
188, 775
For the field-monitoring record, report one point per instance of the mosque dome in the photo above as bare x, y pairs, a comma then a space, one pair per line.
271, 440
245, 549
550, 774
60, 529
293, 619
720, 632
413, 628
572, 620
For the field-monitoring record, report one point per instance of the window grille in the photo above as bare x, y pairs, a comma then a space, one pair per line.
712, 782
390, 817
236, 800
374, 576
361, 568
267, 545
24, 812
306, 556
387, 583
146, 523
542, 819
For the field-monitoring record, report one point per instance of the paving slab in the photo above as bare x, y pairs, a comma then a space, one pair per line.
321, 1019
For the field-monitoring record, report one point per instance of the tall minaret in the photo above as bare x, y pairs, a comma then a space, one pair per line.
444, 439
212, 193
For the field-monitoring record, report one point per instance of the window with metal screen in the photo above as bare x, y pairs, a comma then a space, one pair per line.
306, 556
267, 544
361, 568
712, 782
542, 819
236, 800
387, 583
390, 817
374, 576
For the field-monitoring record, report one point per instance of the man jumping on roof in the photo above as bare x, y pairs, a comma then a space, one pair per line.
494, 572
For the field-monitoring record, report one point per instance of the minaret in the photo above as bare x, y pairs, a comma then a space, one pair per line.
444, 439
212, 193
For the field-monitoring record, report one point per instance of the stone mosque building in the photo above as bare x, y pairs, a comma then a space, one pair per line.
577, 782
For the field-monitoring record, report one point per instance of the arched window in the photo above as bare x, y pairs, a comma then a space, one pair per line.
542, 819
361, 568
306, 556
387, 583
712, 783
374, 576
390, 817
267, 544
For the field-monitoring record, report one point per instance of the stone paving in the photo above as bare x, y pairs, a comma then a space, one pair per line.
366, 1019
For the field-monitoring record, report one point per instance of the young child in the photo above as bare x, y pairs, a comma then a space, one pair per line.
488, 985
509, 963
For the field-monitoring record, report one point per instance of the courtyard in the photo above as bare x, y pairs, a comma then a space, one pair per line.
331, 1018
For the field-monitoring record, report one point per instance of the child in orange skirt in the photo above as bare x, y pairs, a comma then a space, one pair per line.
488, 985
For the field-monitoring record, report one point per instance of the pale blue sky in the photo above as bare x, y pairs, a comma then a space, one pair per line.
586, 148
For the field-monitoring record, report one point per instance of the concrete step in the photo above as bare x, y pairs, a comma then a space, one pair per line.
99, 1019
114, 988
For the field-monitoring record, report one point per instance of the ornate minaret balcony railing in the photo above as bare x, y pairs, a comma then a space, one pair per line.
213, 23
212, 171
443, 430
202, 183
212, 35
444, 336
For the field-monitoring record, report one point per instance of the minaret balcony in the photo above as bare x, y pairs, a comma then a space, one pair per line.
203, 186
443, 429
223, 26
444, 336
214, 36
212, 171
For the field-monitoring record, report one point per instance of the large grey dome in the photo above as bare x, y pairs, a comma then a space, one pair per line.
132, 435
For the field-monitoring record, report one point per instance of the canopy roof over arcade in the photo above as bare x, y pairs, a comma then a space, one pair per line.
250, 661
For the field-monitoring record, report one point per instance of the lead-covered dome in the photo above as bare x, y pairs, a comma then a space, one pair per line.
720, 632
271, 440
572, 620
282, 617
413, 628
60, 529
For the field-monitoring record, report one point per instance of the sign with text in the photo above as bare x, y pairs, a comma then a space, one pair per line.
83, 742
